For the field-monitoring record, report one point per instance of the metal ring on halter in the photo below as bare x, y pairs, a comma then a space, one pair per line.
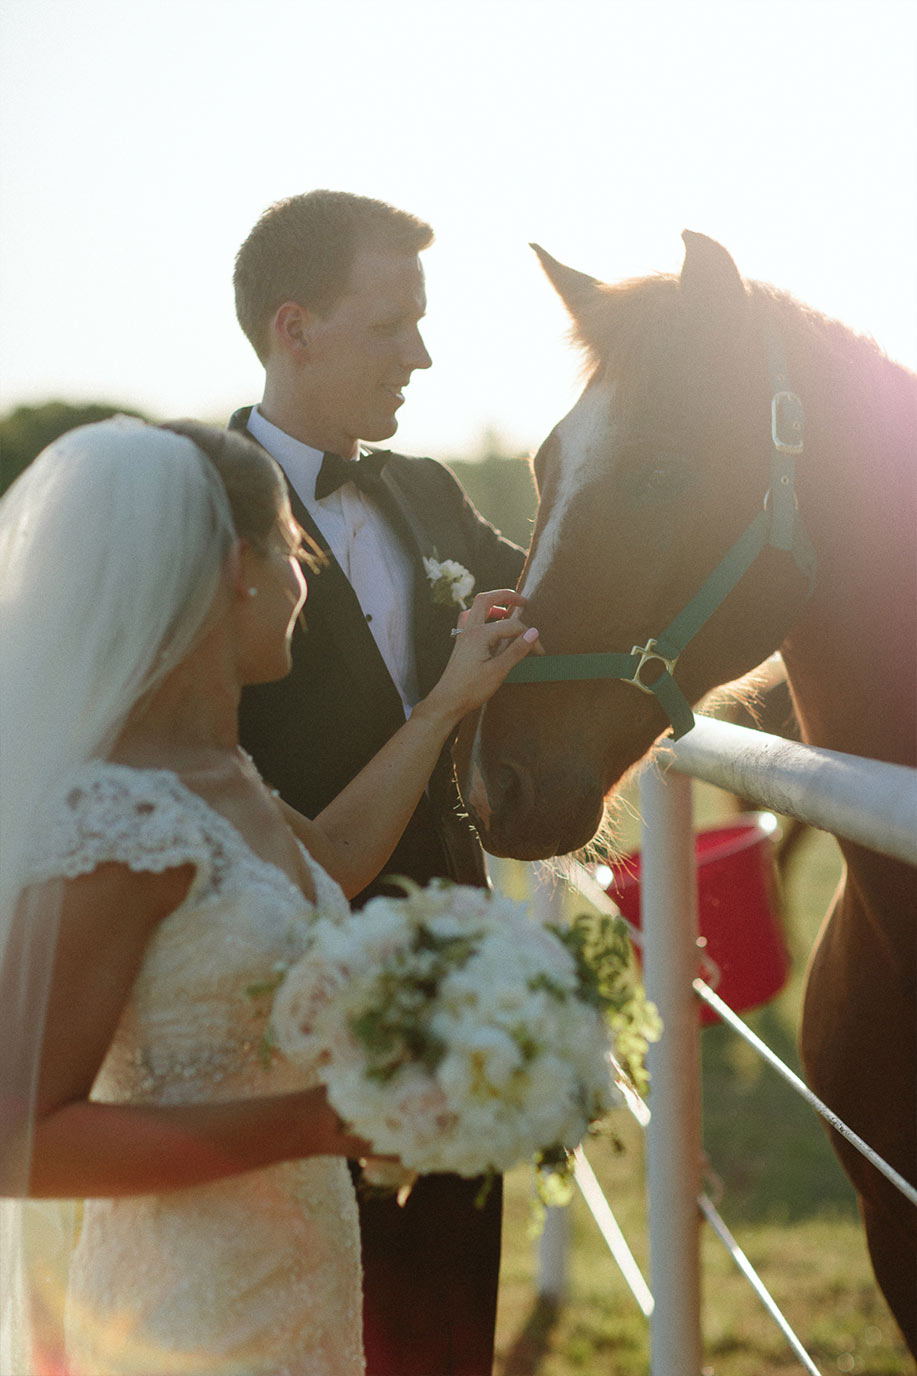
647, 653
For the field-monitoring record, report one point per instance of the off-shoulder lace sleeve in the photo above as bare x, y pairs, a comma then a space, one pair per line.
108, 812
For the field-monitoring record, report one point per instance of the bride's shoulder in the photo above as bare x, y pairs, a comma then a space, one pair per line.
99, 787
104, 811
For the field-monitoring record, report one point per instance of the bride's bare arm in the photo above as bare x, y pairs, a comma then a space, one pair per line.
83, 1148
353, 837
88, 1149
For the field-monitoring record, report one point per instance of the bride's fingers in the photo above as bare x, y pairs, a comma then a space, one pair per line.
493, 605
518, 645
477, 639
502, 653
498, 635
484, 651
495, 641
497, 609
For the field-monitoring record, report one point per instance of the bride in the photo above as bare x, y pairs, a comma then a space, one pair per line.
152, 888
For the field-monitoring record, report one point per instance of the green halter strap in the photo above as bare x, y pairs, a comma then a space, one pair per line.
778, 525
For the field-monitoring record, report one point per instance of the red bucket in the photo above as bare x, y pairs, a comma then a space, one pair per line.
737, 911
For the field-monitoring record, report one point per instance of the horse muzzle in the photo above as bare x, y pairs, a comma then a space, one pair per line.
523, 808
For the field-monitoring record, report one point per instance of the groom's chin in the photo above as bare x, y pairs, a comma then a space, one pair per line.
382, 428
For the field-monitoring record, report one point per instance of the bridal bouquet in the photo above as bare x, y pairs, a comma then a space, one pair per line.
455, 1032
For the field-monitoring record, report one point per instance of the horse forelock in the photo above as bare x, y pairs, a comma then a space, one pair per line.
620, 321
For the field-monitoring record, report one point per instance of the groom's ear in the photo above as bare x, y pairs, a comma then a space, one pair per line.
290, 328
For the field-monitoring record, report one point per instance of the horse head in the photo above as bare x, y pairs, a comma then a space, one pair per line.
650, 479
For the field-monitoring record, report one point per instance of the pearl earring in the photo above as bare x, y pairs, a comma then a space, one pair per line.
253, 592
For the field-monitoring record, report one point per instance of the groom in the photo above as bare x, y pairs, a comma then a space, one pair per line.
330, 292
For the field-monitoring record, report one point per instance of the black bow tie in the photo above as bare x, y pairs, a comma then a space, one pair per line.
336, 471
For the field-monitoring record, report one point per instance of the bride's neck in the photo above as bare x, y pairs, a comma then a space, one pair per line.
192, 711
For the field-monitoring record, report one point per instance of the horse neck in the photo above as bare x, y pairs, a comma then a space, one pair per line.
851, 657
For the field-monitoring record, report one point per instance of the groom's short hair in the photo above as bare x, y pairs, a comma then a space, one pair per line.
302, 249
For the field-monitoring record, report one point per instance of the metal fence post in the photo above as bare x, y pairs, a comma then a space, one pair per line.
554, 1242
669, 921
552, 1248
553, 1256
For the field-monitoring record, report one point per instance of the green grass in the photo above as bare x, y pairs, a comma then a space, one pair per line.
783, 1196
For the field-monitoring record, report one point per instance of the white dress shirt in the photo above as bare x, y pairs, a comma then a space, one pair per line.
363, 543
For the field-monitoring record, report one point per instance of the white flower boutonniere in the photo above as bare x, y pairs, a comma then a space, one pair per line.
451, 584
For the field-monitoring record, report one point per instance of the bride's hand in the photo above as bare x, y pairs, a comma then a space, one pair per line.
324, 1132
355, 835
327, 1135
490, 638
387, 1174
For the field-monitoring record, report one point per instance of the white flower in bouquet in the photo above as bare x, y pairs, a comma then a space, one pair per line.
455, 1032
450, 582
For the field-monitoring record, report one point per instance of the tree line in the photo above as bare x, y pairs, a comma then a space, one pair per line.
500, 485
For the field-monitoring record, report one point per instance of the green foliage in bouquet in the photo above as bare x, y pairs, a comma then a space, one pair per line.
610, 980
394, 1032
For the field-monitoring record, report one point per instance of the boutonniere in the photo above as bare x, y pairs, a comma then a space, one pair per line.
450, 582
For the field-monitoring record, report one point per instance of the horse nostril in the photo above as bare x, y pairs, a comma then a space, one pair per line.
514, 788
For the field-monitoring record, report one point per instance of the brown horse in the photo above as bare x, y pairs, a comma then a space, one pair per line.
699, 386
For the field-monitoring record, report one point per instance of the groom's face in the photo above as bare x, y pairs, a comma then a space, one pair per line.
361, 354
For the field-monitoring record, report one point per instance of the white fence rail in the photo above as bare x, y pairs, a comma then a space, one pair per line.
865, 801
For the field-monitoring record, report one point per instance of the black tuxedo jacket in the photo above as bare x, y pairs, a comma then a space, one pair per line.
311, 732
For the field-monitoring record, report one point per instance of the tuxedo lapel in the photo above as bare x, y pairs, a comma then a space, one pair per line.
432, 623
409, 523
334, 618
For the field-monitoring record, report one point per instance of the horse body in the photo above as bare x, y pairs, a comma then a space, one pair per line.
652, 476
851, 664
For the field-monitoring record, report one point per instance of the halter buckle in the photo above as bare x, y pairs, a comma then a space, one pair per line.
787, 423
647, 653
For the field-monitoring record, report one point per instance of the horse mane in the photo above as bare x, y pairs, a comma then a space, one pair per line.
831, 335
871, 397
625, 327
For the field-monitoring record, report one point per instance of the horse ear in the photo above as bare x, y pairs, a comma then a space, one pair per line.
574, 288
709, 274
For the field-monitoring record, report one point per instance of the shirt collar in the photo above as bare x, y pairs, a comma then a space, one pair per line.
300, 462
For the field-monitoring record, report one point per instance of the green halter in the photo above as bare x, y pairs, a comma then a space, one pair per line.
777, 525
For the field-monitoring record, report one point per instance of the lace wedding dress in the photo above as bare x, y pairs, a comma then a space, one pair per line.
257, 1274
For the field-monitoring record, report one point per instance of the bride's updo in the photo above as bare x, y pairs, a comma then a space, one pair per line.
253, 481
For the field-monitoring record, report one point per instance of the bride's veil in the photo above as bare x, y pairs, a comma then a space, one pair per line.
111, 549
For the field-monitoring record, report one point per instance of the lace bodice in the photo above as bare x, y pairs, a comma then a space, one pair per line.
258, 1273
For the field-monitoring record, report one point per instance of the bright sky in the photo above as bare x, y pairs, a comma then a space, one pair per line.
141, 139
